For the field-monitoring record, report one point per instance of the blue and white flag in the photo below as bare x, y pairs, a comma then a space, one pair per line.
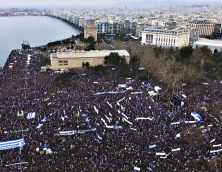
196, 116
30, 115
118, 127
43, 120
123, 108
11, 144
39, 126
152, 146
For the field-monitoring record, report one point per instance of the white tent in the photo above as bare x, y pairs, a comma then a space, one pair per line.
152, 93
157, 89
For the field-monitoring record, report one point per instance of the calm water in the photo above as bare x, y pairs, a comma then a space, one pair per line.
38, 30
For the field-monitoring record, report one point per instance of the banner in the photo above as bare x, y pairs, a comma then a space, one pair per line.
30, 115
127, 121
137, 168
217, 145
212, 141
190, 122
110, 92
109, 104
125, 116
121, 99
177, 149
160, 153
11, 144
140, 118
136, 92
96, 110
65, 133
214, 151
174, 123
152, 146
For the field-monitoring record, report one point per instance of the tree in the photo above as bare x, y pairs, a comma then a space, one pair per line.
83, 64
147, 55
87, 64
215, 51
185, 54
90, 39
80, 36
134, 60
90, 47
206, 52
112, 59
209, 65
196, 58
118, 44
99, 68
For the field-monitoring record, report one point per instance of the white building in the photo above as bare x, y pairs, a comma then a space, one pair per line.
102, 26
82, 21
211, 44
166, 37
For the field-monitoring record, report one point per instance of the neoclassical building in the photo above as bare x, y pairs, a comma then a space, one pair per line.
165, 37
90, 30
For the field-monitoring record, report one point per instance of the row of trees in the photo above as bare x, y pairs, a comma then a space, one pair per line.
65, 42
174, 66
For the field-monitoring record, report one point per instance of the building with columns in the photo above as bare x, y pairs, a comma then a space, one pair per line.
205, 27
166, 37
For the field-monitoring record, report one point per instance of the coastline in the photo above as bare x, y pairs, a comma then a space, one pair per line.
76, 27
79, 29
10, 51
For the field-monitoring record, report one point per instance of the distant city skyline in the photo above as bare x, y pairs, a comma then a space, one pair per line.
26, 3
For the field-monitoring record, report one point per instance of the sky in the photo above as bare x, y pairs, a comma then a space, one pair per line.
17, 3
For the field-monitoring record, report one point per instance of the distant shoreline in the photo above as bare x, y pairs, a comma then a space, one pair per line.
38, 46
77, 28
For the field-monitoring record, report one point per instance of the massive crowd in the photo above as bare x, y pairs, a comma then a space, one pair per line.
107, 134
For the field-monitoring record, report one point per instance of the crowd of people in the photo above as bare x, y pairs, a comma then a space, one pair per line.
92, 125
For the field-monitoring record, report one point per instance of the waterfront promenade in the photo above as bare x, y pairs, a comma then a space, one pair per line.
78, 28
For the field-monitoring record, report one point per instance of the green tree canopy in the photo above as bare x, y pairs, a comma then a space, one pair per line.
185, 54
98, 68
134, 59
124, 69
114, 59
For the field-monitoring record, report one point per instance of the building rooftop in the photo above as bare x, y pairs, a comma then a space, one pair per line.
201, 21
208, 42
88, 54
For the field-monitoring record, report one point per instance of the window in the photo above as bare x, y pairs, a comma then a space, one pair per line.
63, 62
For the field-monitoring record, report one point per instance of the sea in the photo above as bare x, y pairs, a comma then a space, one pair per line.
37, 30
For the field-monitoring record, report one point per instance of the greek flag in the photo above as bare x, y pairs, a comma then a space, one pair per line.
11, 144
30, 115
43, 120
